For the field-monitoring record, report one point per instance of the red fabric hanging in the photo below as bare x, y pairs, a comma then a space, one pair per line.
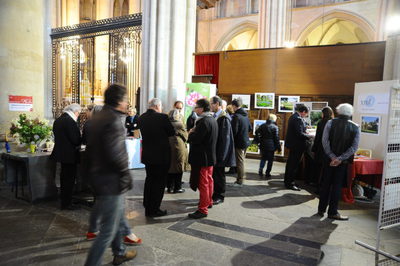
207, 64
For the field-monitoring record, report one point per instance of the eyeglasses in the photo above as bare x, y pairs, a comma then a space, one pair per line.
197, 107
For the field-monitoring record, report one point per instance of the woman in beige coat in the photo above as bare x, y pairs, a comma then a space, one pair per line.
179, 153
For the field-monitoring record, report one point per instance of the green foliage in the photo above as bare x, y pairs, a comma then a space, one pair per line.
30, 131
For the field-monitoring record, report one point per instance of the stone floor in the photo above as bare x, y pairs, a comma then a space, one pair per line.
259, 224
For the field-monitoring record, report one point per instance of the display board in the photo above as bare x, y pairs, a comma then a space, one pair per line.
195, 91
371, 101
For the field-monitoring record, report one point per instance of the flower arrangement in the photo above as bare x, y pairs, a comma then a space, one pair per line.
30, 131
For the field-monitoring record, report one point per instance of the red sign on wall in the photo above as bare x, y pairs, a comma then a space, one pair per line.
20, 103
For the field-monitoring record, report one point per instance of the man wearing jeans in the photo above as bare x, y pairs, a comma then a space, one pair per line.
202, 156
241, 128
110, 176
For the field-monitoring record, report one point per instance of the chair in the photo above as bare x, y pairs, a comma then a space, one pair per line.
364, 152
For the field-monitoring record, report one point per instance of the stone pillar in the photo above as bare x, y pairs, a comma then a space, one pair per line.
274, 23
168, 44
391, 68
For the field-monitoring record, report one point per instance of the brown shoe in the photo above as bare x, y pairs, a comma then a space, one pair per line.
338, 217
118, 259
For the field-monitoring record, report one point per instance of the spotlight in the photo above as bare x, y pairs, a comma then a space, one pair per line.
289, 44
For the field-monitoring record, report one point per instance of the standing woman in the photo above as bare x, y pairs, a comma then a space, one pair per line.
319, 154
178, 153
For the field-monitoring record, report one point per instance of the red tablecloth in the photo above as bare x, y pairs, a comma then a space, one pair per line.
362, 167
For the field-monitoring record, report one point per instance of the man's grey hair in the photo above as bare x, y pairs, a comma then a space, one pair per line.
345, 109
154, 102
75, 107
224, 103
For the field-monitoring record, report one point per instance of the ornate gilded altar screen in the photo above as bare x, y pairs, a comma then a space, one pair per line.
87, 57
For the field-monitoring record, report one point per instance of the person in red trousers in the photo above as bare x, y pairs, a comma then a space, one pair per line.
202, 156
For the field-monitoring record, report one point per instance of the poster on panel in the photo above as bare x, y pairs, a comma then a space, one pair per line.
195, 91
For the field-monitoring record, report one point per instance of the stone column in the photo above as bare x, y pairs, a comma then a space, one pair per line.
391, 68
274, 23
168, 44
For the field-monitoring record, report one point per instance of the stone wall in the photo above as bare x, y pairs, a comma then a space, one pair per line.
22, 57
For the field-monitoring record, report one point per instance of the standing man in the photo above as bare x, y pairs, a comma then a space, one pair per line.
225, 149
110, 176
67, 141
155, 128
296, 142
202, 158
267, 135
241, 128
340, 141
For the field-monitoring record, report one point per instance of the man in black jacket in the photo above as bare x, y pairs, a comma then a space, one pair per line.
340, 141
296, 142
267, 136
155, 128
202, 156
241, 128
109, 174
225, 149
67, 141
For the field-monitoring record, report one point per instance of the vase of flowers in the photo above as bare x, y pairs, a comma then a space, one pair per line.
30, 132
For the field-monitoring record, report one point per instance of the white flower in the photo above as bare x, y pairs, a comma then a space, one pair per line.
36, 137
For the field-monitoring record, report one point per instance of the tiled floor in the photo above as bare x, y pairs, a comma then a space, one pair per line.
259, 224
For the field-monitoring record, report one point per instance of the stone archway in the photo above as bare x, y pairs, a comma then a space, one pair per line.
354, 30
244, 27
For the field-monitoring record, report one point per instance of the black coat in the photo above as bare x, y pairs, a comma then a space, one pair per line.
203, 142
241, 127
296, 137
267, 135
131, 124
67, 140
225, 143
106, 148
155, 129
317, 147
190, 121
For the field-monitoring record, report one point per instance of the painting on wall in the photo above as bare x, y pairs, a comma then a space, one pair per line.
264, 100
370, 124
287, 103
256, 124
253, 148
245, 99
315, 117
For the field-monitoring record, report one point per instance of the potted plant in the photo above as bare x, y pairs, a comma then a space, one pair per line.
30, 132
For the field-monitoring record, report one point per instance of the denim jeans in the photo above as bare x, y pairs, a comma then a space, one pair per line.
94, 222
110, 209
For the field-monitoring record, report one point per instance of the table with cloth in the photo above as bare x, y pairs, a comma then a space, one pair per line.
32, 174
368, 170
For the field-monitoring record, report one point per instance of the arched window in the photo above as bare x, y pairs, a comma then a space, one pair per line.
87, 10
125, 8
117, 9
121, 8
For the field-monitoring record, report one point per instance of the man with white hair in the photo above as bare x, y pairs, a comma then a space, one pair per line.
155, 128
67, 141
340, 141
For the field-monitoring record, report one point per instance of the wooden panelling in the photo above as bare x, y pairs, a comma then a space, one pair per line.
323, 70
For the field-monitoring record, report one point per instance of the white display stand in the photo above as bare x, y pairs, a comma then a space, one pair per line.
371, 100
133, 147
